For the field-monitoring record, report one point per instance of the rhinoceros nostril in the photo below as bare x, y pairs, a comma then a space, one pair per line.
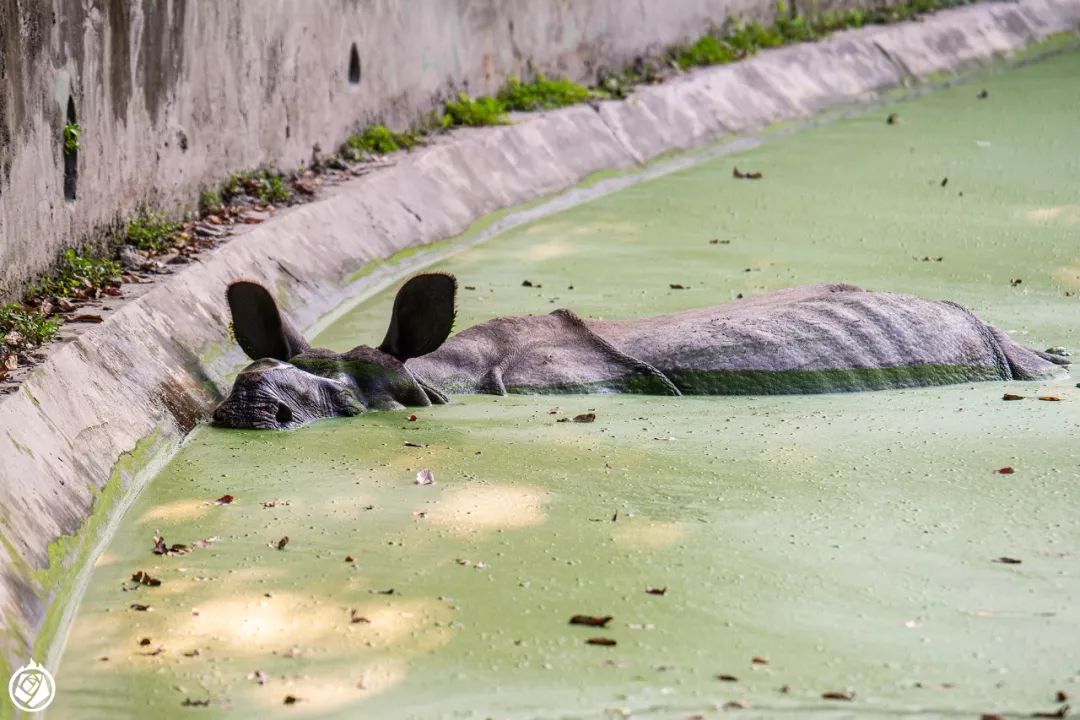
284, 414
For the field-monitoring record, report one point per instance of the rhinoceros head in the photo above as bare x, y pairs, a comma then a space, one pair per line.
291, 384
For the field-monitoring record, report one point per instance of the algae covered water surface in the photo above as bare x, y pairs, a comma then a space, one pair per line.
848, 555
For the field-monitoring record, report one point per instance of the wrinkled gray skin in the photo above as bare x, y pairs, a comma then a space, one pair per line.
816, 338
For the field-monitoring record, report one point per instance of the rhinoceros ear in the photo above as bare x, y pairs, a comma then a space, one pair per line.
258, 326
424, 311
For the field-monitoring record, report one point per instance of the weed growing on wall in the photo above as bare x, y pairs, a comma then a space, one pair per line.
79, 275
22, 329
381, 140
72, 131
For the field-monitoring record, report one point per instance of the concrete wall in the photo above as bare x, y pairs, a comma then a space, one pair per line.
174, 95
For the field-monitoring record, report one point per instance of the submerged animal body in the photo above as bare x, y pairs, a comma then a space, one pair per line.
810, 339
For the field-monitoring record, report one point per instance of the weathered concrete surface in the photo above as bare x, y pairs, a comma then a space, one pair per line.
157, 364
173, 96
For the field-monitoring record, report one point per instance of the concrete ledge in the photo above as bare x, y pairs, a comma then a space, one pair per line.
138, 382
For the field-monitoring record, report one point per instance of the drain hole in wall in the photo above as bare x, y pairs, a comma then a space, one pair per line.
71, 155
354, 65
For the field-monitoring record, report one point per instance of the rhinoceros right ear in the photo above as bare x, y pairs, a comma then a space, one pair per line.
424, 311
258, 326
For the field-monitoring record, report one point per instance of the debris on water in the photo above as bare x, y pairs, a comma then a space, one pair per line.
591, 620
718, 241
606, 642
927, 258
893, 119
758, 660
944, 181
1015, 282
260, 677
846, 695
785, 689
563, 420
355, 618
188, 702
1008, 560
274, 503
615, 516
1058, 350
1050, 398
412, 418
415, 444
192, 653
1061, 712
139, 607
530, 283
727, 678
1012, 396
207, 542
585, 417
736, 705
983, 94
641, 626
470, 287
425, 477
387, 591
280, 544
1007, 470
144, 642
677, 286
141, 577
656, 590
291, 700
1062, 696
991, 716
349, 559
86, 318
225, 500
752, 175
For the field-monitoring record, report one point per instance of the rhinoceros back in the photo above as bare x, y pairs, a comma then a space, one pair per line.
823, 338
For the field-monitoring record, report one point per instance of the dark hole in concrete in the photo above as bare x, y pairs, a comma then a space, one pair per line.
71, 157
354, 65
284, 414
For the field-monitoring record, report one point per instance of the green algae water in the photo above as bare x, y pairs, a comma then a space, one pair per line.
853, 545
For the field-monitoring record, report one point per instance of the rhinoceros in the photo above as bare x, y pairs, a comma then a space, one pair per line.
809, 339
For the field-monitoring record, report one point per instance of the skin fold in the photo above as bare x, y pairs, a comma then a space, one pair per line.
809, 339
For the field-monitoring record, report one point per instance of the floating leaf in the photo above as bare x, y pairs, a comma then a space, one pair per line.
1050, 398
144, 578
585, 418
425, 477
280, 544
591, 620
739, 174
606, 642
846, 695
727, 678
1009, 560
224, 500
1007, 470
1011, 396
656, 590
139, 607
758, 660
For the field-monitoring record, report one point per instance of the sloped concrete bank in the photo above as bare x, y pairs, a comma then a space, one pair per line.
110, 405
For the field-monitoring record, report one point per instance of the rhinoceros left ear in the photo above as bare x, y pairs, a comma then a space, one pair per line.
258, 326
423, 317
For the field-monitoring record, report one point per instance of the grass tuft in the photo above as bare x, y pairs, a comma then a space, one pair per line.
23, 329
541, 94
150, 231
468, 111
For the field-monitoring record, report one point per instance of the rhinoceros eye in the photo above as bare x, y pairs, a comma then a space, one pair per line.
284, 414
